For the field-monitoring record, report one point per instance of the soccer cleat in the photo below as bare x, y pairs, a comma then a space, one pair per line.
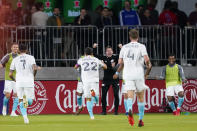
141, 123
178, 112
79, 110
92, 118
174, 113
13, 114
93, 93
26, 120
4, 111
130, 118
127, 113
25, 102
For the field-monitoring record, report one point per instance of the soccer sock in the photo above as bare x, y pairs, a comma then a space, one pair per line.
23, 110
89, 107
129, 103
5, 101
125, 105
172, 106
15, 104
180, 102
30, 101
96, 98
141, 110
79, 101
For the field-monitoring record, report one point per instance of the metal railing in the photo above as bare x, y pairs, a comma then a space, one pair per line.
160, 41
62, 46
190, 46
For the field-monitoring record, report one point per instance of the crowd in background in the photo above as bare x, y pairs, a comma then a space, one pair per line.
102, 16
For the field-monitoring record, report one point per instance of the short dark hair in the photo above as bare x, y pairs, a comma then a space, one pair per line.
14, 43
82, 9
39, 5
22, 47
134, 34
107, 47
128, 1
171, 54
88, 51
167, 4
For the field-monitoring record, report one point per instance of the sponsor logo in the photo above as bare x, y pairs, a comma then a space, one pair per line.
76, 4
40, 99
19, 4
190, 90
48, 4
106, 3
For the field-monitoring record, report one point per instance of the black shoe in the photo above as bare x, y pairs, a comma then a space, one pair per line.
103, 113
115, 113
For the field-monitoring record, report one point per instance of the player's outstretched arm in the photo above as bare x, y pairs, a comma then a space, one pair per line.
104, 66
121, 65
1, 66
11, 75
76, 66
148, 66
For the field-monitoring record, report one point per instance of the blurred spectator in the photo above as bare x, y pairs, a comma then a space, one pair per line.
56, 19
105, 18
147, 19
83, 18
140, 10
39, 18
114, 18
19, 14
95, 15
181, 16
28, 18
167, 17
153, 12
129, 16
193, 17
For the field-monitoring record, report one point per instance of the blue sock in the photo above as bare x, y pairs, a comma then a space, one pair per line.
79, 101
15, 104
180, 102
125, 105
5, 101
30, 101
89, 107
141, 110
129, 103
23, 110
172, 106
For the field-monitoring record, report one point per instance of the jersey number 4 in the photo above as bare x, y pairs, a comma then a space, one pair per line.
130, 55
90, 66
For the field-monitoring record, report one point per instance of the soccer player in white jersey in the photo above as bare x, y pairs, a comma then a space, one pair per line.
26, 69
132, 57
90, 77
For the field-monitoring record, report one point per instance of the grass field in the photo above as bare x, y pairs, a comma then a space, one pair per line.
153, 122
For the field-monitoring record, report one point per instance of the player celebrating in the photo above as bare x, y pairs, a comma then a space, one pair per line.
79, 92
174, 75
9, 83
26, 70
90, 77
132, 57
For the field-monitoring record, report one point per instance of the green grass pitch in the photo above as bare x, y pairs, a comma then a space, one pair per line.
153, 122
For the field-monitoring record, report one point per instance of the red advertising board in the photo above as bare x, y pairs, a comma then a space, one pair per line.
59, 97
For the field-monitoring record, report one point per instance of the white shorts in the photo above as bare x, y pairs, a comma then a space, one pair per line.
80, 87
9, 86
124, 91
136, 85
87, 87
27, 91
172, 90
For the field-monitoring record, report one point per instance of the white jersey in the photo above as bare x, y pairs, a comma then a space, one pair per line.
133, 57
23, 64
89, 68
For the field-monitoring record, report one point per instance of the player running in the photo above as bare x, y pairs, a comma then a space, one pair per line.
174, 75
10, 85
90, 77
26, 70
132, 57
79, 92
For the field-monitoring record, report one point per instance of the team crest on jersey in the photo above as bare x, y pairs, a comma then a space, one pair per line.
190, 102
40, 99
